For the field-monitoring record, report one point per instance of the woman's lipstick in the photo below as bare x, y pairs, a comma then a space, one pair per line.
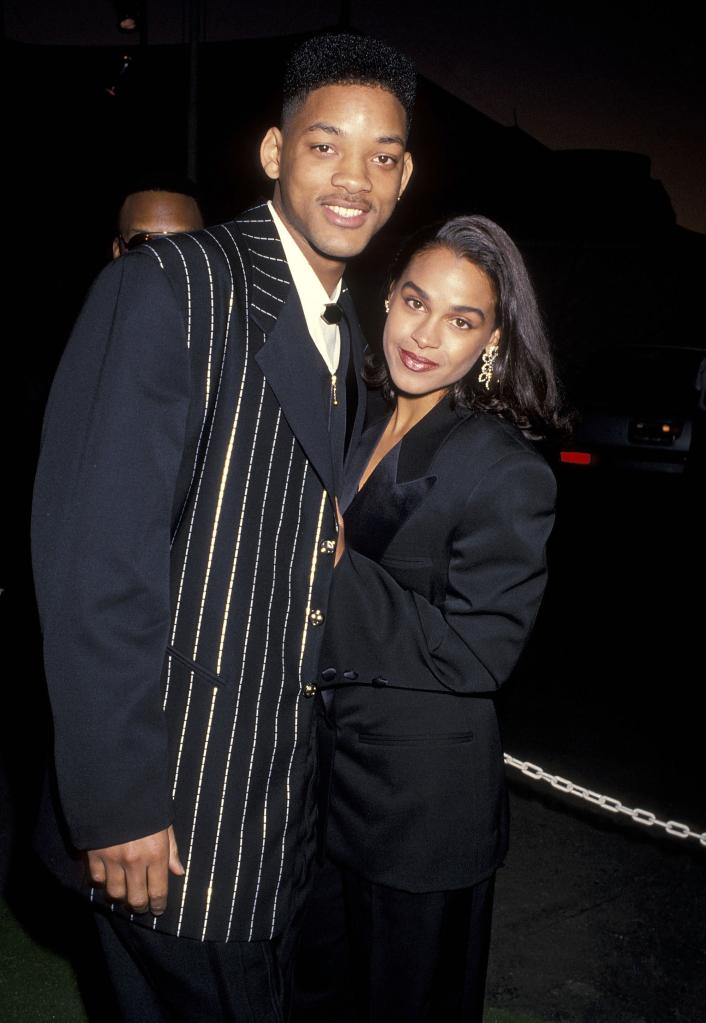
416, 363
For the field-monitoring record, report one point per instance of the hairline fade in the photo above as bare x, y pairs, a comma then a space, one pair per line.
347, 59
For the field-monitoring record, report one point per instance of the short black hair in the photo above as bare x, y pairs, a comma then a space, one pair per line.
344, 59
158, 181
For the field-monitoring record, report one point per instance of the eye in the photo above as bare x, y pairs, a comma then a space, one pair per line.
323, 147
414, 303
385, 160
458, 321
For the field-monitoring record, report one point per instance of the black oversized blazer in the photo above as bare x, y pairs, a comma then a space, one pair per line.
182, 543
431, 605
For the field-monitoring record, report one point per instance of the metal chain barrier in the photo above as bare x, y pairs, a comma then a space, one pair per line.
608, 803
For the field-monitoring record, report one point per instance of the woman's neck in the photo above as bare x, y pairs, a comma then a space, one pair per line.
409, 411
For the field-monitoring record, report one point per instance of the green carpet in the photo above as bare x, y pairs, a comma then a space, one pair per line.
37, 985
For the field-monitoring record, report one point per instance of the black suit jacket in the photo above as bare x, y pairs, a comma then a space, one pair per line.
430, 608
183, 504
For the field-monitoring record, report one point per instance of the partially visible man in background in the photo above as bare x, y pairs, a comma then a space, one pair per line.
156, 208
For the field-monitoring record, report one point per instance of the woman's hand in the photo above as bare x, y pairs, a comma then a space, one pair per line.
341, 537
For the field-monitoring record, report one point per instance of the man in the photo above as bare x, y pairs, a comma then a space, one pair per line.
184, 532
156, 208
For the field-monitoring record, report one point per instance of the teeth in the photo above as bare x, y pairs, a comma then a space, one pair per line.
343, 211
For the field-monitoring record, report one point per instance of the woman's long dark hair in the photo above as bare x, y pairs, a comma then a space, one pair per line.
524, 388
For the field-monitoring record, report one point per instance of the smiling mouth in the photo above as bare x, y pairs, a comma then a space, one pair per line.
346, 214
417, 363
345, 211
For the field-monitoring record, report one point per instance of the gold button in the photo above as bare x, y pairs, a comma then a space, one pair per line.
327, 547
309, 689
316, 617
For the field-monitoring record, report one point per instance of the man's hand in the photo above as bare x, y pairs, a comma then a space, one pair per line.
341, 537
138, 872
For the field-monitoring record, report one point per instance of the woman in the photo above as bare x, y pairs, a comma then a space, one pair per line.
443, 522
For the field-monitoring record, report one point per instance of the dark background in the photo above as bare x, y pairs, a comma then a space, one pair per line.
610, 690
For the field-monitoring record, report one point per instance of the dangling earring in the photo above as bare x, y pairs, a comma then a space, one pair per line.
387, 305
490, 354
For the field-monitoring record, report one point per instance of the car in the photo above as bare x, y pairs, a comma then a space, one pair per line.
641, 408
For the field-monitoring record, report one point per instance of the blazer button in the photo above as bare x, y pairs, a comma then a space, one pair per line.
309, 689
350, 675
379, 682
329, 674
316, 617
327, 547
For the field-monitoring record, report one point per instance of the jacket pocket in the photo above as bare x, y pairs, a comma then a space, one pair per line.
447, 739
198, 669
402, 562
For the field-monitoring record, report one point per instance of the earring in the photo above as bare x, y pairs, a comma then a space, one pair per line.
387, 305
490, 354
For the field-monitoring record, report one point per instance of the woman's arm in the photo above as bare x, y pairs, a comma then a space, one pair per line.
497, 573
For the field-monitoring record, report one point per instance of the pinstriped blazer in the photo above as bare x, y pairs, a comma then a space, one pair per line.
183, 504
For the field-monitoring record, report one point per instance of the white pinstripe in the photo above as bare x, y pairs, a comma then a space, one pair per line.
312, 572
220, 653
205, 411
188, 290
214, 531
204, 460
260, 206
155, 254
272, 259
283, 675
265, 311
259, 237
265, 292
242, 672
280, 280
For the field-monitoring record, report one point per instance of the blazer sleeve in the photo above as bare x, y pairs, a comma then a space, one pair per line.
111, 448
379, 633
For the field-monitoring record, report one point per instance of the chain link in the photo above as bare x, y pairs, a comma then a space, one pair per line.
640, 816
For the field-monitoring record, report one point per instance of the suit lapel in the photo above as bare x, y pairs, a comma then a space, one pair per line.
357, 347
420, 445
288, 357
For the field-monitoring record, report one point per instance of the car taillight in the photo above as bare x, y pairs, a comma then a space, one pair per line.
576, 457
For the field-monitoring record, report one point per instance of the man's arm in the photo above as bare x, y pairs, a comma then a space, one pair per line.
112, 444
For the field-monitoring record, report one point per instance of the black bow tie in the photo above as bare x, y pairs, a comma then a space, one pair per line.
332, 313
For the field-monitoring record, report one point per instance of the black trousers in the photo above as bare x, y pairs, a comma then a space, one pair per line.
158, 978
373, 954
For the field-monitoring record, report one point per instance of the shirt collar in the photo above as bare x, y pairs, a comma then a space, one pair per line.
312, 293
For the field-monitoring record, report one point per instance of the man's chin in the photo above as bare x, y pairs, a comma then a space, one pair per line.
340, 248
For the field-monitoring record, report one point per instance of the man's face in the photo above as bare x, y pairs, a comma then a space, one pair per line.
156, 212
340, 165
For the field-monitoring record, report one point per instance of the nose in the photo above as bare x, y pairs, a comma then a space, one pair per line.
352, 174
425, 334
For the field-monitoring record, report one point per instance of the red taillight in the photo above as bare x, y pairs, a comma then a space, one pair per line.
576, 457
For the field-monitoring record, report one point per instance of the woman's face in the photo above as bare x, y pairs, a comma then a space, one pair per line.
441, 317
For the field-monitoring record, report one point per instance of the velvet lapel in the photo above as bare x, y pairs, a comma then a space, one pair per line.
420, 445
357, 347
288, 357
400, 481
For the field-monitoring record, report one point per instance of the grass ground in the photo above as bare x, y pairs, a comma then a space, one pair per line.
37, 984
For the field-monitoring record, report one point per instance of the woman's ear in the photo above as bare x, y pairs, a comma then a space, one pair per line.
271, 153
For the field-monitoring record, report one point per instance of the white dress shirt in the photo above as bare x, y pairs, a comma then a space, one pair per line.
312, 295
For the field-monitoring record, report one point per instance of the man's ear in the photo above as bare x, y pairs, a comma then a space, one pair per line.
407, 168
116, 248
271, 153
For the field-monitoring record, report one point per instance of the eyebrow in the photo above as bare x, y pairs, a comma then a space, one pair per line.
331, 129
454, 308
